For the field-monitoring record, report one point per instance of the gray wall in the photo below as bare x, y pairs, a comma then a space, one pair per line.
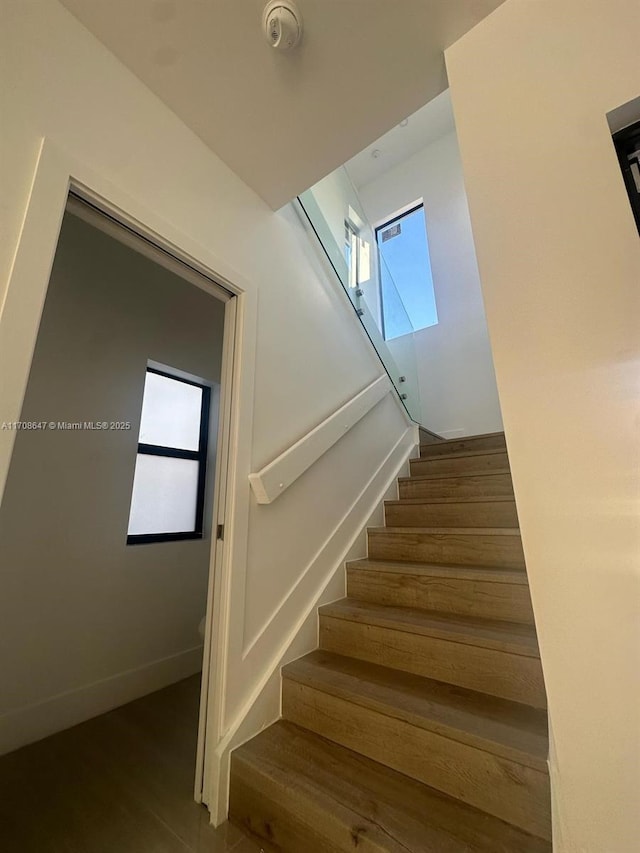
78, 605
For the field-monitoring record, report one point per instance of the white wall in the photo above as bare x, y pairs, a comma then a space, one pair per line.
309, 358
106, 608
559, 258
455, 370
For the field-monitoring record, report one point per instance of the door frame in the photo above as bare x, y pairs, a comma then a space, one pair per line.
58, 173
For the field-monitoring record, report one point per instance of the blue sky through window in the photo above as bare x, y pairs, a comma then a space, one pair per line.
408, 300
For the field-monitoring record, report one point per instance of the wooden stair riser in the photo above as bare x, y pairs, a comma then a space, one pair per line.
498, 673
495, 441
454, 514
506, 789
460, 464
487, 600
487, 485
282, 818
469, 549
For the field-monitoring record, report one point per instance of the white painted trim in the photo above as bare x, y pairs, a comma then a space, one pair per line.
233, 560
262, 707
219, 512
34, 722
26, 291
278, 475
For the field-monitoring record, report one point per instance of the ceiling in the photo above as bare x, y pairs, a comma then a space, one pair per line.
429, 123
282, 121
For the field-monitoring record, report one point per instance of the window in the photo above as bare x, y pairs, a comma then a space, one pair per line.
406, 283
168, 485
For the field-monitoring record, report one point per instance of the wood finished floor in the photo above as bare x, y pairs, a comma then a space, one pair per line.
120, 783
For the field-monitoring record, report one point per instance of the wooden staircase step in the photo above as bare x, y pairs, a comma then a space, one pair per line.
494, 574
490, 593
478, 484
445, 512
508, 729
469, 546
455, 463
487, 441
490, 753
491, 634
296, 791
489, 656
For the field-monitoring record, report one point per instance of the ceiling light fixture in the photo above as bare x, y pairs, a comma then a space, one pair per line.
282, 24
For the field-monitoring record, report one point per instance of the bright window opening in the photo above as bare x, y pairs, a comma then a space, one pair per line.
406, 283
167, 502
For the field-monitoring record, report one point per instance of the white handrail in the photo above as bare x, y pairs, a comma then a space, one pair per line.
278, 475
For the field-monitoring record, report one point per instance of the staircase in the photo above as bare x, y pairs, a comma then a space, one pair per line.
418, 726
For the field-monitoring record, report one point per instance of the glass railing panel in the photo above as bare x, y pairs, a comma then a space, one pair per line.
335, 213
401, 347
334, 250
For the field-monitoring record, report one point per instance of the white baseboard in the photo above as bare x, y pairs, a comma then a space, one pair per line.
34, 722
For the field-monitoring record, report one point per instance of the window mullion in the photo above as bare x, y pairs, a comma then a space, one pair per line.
175, 452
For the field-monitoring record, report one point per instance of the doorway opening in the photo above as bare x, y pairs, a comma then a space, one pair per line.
97, 615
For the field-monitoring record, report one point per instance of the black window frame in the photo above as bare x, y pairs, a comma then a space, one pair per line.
199, 455
383, 227
627, 141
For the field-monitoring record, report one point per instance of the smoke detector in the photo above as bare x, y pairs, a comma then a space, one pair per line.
282, 24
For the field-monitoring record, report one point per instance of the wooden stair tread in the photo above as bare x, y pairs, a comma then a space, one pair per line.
451, 531
352, 800
510, 637
472, 437
454, 475
496, 438
473, 499
508, 729
437, 570
461, 454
